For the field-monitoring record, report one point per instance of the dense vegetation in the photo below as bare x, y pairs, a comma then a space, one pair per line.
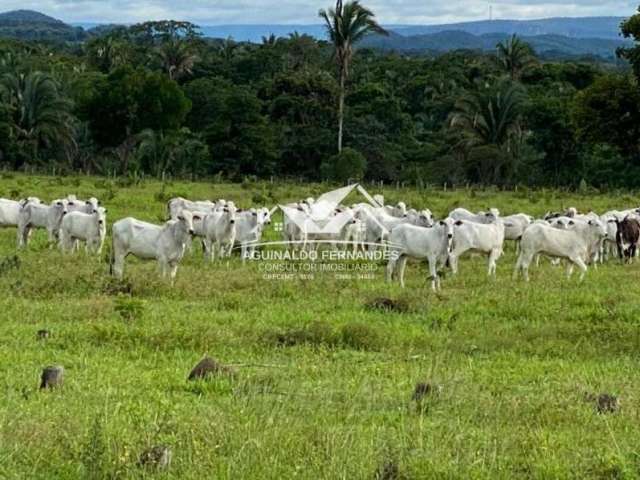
325, 369
158, 99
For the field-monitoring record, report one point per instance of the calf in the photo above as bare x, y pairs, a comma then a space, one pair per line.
164, 243
90, 228
573, 244
34, 215
627, 236
432, 243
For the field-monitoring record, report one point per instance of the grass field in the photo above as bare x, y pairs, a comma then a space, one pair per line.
323, 380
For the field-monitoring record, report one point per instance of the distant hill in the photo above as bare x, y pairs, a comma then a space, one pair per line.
555, 37
588, 27
30, 25
554, 45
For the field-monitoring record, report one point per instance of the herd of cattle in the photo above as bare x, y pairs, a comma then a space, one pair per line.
578, 239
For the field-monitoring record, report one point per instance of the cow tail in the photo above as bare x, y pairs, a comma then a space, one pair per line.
112, 257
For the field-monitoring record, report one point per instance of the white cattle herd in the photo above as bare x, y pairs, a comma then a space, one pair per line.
578, 239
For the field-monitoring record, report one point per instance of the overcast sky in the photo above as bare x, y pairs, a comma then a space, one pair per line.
213, 12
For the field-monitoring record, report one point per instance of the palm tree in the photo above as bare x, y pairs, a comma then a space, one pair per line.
177, 58
346, 25
491, 117
515, 56
39, 116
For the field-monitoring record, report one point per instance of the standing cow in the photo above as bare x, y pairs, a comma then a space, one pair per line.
627, 237
164, 243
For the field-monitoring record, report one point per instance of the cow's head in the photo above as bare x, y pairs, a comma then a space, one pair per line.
598, 227
186, 218
101, 215
447, 227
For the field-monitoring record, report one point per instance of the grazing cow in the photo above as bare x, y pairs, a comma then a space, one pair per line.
164, 243
484, 238
573, 244
627, 236
432, 243
220, 232
35, 215
90, 228
10, 210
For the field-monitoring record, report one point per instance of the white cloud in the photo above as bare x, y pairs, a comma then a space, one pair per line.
305, 11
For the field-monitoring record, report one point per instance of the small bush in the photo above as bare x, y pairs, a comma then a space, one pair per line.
361, 336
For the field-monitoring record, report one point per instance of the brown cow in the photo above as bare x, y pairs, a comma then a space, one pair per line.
627, 238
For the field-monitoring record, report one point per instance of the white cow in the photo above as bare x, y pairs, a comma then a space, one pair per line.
409, 241
164, 243
249, 227
579, 222
90, 228
480, 217
10, 210
36, 215
483, 238
219, 233
573, 244
514, 227
84, 206
177, 205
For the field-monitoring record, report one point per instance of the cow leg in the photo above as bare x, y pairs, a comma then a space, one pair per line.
173, 270
524, 260
569, 269
493, 258
402, 264
433, 271
391, 267
453, 263
118, 265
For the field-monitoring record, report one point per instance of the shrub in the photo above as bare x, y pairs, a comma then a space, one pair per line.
361, 336
346, 166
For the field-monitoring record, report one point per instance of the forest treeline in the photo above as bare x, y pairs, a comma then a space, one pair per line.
158, 99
